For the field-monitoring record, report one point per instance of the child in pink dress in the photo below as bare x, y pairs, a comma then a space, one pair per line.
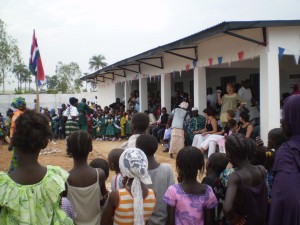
189, 201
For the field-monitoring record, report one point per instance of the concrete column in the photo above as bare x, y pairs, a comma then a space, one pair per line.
269, 92
143, 92
127, 90
200, 88
165, 83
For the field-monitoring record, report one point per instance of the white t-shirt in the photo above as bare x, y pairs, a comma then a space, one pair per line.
246, 95
70, 111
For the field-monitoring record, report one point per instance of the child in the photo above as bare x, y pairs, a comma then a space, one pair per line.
94, 125
161, 175
246, 195
188, 201
138, 125
102, 164
102, 124
110, 131
134, 204
127, 124
117, 126
31, 193
113, 162
84, 182
215, 165
123, 123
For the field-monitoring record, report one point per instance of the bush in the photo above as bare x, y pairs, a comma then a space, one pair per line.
18, 92
52, 91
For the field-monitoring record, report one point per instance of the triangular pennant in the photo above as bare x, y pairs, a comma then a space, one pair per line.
150, 78
174, 73
187, 67
194, 63
241, 55
230, 59
297, 58
180, 71
280, 52
210, 61
158, 78
220, 59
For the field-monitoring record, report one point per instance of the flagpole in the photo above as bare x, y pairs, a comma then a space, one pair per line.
37, 104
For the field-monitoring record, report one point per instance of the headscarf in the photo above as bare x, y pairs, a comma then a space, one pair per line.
291, 114
134, 164
18, 102
184, 105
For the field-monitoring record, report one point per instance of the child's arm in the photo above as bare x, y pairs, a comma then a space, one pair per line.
109, 211
232, 188
171, 215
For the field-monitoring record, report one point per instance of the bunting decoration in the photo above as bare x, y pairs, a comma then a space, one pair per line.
241, 55
280, 52
210, 61
174, 73
220, 59
297, 59
180, 71
194, 63
187, 67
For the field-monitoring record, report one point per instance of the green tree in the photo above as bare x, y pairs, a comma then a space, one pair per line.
52, 82
97, 62
67, 74
9, 54
22, 74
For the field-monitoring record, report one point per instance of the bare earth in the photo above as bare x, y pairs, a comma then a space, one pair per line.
59, 158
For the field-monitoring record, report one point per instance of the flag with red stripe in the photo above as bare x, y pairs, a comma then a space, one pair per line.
35, 61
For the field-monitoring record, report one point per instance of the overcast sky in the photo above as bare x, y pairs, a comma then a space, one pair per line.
75, 30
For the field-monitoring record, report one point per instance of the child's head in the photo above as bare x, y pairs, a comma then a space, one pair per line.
147, 143
102, 164
139, 123
189, 162
32, 132
217, 163
275, 138
230, 114
113, 159
232, 125
239, 147
79, 145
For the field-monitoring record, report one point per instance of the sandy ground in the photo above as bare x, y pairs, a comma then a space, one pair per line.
100, 150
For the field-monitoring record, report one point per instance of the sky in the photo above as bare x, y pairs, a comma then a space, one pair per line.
75, 30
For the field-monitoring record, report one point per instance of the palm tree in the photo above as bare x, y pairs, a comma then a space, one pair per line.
97, 62
21, 71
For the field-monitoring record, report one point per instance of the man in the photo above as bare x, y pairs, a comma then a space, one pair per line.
116, 105
246, 93
159, 130
83, 110
197, 122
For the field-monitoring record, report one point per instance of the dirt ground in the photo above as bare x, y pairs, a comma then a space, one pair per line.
100, 150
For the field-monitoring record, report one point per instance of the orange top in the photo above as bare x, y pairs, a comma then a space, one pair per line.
124, 213
17, 113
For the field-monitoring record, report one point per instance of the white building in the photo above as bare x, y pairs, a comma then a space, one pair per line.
266, 52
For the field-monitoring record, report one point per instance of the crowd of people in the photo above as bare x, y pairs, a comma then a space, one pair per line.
241, 182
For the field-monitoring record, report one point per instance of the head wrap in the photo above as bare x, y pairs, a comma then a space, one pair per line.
134, 164
291, 114
18, 102
184, 105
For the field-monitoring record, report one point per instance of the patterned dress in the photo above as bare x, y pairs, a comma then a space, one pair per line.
110, 131
33, 204
189, 208
195, 123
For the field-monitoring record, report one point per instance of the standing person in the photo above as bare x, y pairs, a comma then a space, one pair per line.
110, 129
72, 115
246, 196
211, 98
83, 110
197, 122
159, 130
31, 193
161, 175
9, 115
139, 124
285, 205
19, 104
113, 162
190, 202
123, 124
246, 93
134, 204
117, 125
228, 102
177, 133
116, 105
84, 183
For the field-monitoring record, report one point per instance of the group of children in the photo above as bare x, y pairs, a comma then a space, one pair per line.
143, 189
111, 126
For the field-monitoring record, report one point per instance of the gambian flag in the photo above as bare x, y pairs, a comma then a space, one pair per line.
35, 61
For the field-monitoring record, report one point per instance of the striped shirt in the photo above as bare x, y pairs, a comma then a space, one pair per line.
124, 212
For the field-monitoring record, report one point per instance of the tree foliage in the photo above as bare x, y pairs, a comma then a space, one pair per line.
97, 62
68, 76
9, 54
23, 75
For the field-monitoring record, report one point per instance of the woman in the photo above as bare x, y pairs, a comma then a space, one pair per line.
211, 127
285, 205
246, 128
72, 114
19, 104
228, 102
